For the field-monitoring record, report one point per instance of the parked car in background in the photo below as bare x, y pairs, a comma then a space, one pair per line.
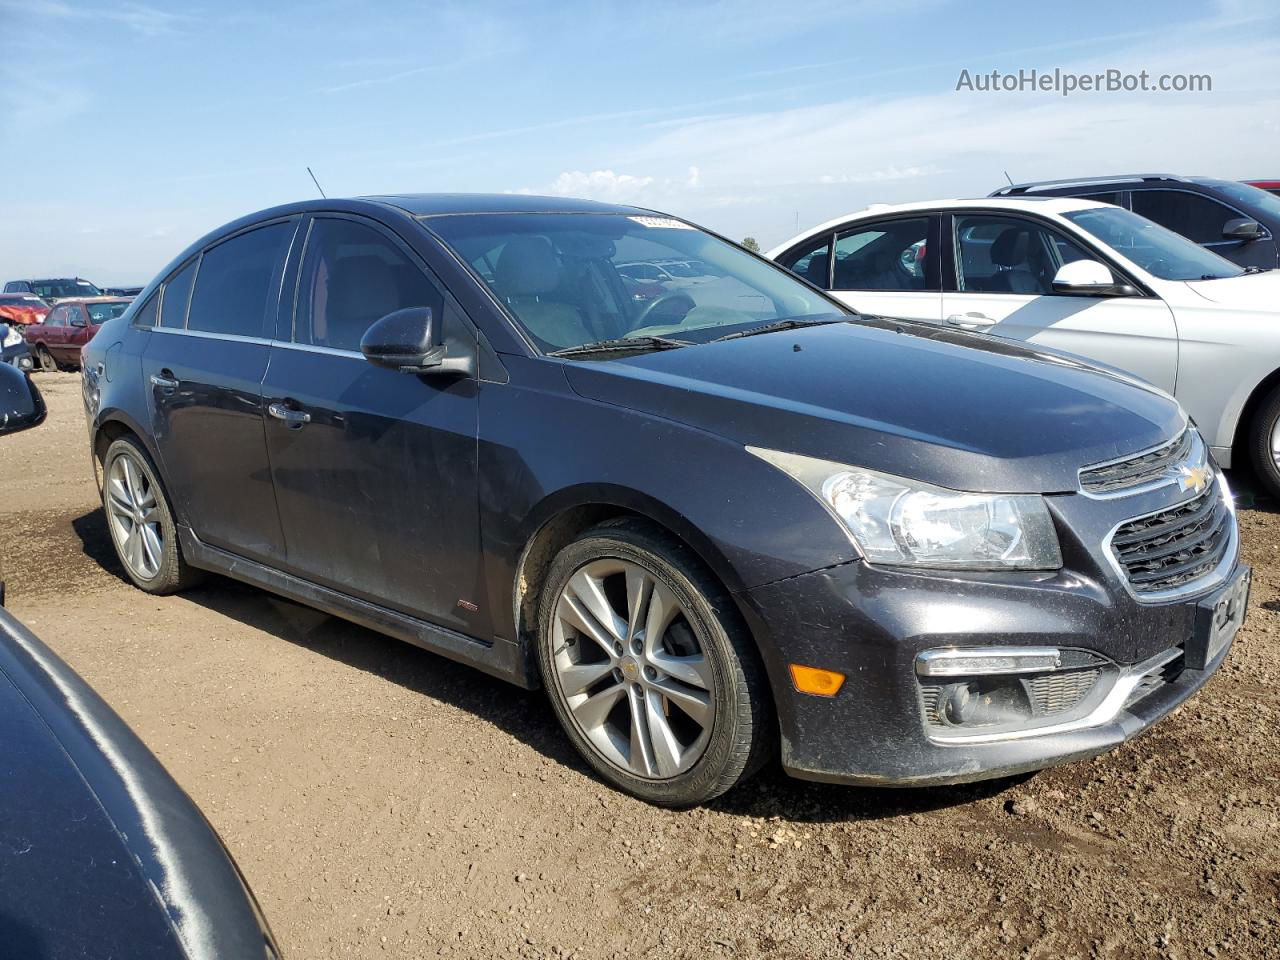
56, 342
13, 347
54, 289
122, 291
697, 525
1233, 219
21, 408
1271, 186
1090, 278
22, 309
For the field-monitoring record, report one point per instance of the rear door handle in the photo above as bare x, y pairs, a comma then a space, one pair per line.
164, 380
294, 418
970, 321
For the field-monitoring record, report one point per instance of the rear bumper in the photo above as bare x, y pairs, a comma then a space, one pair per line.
870, 624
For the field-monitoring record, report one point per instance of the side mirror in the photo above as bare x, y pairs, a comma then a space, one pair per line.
1090, 278
79, 322
21, 405
406, 340
1242, 228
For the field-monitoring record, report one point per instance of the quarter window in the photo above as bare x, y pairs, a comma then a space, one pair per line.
177, 294
1195, 217
146, 314
233, 291
351, 276
889, 255
1009, 255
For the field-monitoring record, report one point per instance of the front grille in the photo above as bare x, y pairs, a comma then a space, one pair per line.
1150, 467
1175, 547
1057, 692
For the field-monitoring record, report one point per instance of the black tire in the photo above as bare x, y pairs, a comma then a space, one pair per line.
1261, 429
45, 358
173, 573
742, 735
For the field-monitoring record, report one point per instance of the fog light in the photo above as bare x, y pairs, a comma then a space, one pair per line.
815, 681
956, 701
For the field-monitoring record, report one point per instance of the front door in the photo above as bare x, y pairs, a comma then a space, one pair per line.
375, 470
203, 368
1002, 284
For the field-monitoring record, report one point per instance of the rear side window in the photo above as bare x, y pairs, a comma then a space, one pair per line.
177, 293
1195, 217
233, 291
883, 256
812, 261
351, 276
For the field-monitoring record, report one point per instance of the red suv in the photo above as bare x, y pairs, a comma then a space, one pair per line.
57, 340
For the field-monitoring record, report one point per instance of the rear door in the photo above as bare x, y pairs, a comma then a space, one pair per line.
375, 470
204, 366
999, 276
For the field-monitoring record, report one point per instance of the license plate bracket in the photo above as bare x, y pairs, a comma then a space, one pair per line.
1218, 619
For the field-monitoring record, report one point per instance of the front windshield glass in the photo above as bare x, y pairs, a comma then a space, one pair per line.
559, 275
65, 288
1257, 200
1160, 252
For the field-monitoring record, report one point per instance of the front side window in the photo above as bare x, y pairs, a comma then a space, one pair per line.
811, 261
1010, 255
1195, 217
889, 255
351, 276
559, 275
177, 294
234, 286
1248, 196
1160, 252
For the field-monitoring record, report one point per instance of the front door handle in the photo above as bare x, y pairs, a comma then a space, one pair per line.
164, 382
970, 321
294, 418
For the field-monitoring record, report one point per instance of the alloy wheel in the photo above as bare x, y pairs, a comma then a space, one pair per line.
134, 517
1275, 442
631, 670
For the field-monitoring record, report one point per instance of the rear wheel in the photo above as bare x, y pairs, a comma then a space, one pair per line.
141, 521
1264, 443
45, 358
649, 672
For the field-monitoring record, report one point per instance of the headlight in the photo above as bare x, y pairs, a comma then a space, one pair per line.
11, 338
898, 521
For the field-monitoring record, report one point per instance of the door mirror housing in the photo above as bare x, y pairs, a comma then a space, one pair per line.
411, 341
78, 322
21, 406
1242, 228
1090, 278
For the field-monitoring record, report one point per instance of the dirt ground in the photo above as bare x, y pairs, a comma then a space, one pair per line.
386, 802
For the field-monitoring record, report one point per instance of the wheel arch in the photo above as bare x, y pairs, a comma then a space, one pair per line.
1244, 423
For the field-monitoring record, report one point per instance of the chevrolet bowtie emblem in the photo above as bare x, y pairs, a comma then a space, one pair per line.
1193, 479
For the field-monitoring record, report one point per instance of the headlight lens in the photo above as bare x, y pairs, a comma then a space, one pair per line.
899, 521
12, 336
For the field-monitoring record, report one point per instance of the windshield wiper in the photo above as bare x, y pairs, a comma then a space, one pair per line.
1253, 268
786, 323
621, 345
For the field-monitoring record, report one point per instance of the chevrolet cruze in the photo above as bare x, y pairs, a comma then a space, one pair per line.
732, 520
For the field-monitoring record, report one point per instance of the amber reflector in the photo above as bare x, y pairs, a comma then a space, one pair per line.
820, 683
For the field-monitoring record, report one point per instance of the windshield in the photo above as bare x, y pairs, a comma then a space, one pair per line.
1160, 252
578, 278
1257, 200
102, 312
64, 288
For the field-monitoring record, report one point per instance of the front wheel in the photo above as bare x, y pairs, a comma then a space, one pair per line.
141, 521
650, 673
1264, 443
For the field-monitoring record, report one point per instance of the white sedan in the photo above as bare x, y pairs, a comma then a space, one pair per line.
1075, 275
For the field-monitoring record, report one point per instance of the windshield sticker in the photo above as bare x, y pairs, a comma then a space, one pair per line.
660, 223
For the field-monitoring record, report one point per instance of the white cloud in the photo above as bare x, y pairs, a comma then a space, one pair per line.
139, 17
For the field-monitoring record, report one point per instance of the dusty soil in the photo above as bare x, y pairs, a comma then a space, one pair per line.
386, 802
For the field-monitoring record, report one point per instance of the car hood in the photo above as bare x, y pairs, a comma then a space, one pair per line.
962, 410
1252, 291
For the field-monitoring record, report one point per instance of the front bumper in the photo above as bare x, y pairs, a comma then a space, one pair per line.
871, 623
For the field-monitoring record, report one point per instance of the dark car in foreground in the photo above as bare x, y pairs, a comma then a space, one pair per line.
57, 340
1233, 219
101, 853
730, 519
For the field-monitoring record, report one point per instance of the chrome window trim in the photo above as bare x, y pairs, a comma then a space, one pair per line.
207, 335
1113, 704
314, 348
1198, 441
1215, 578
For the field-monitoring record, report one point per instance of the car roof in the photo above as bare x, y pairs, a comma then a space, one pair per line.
1051, 205
449, 204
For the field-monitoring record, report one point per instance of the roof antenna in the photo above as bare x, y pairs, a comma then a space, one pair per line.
1005, 172
322, 193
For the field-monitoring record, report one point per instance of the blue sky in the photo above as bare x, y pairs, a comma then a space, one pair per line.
130, 129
